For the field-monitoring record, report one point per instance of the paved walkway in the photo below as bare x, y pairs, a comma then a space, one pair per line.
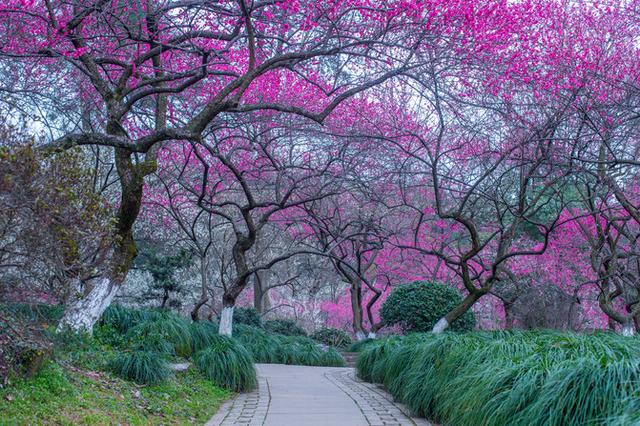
289, 395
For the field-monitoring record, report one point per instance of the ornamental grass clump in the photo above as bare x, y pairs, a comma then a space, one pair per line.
262, 345
143, 367
171, 329
509, 378
202, 334
228, 364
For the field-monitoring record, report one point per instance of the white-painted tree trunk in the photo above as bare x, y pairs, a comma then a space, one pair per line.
82, 314
360, 335
371, 335
440, 326
226, 321
628, 329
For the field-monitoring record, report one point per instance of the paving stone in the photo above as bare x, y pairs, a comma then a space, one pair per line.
312, 396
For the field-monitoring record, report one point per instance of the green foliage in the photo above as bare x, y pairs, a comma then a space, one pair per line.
168, 333
295, 350
416, 307
358, 345
331, 358
228, 364
247, 316
121, 319
509, 378
57, 396
202, 334
33, 313
332, 337
262, 345
144, 367
284, 326
163, 266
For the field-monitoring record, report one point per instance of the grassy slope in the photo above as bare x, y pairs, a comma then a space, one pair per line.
73, 396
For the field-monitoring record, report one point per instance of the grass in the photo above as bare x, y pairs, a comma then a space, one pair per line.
228, 364
141, 367
509, 378
279, 349
72, 396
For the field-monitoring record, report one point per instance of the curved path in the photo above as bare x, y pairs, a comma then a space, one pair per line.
290, 395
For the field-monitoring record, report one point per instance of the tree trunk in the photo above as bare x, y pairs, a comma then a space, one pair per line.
165, 298
628, 329
204, 290
83, 312
260, 295
456, 312
226, 321
508, 315
356, 307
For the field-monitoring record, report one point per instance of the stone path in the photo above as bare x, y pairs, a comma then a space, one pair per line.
289, 395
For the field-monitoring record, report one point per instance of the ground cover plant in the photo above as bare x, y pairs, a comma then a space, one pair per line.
280, 349
508, 378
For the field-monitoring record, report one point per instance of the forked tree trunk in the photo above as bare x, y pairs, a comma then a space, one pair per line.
82, 313
456, 312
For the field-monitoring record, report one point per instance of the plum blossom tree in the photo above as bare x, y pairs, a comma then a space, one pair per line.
159, 71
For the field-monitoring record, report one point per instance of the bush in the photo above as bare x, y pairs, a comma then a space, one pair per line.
416, 307
169, 333
264, 347
359, 345
144, 367
202, 334
284, 326
122, 319
228, 364
247, 316
332, 337
509, 378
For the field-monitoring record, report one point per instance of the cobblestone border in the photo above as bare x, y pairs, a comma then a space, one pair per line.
376, 404
246, 409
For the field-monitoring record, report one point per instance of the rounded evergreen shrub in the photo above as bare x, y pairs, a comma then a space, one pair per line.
284, 326
228, 364
332, 337
247, 316
416, 307
140, 366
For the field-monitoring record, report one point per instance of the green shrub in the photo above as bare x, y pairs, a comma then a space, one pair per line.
247, 316
332, 337
167, 329
141, 366
509, 378
284, 326
263, 346
359, 345
416, 307
228, 364
202, 334
331, 358
122, 319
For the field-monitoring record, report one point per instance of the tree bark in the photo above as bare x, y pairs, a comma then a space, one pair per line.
204, 290
83, 312
226, 321
356, 307
456, 312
